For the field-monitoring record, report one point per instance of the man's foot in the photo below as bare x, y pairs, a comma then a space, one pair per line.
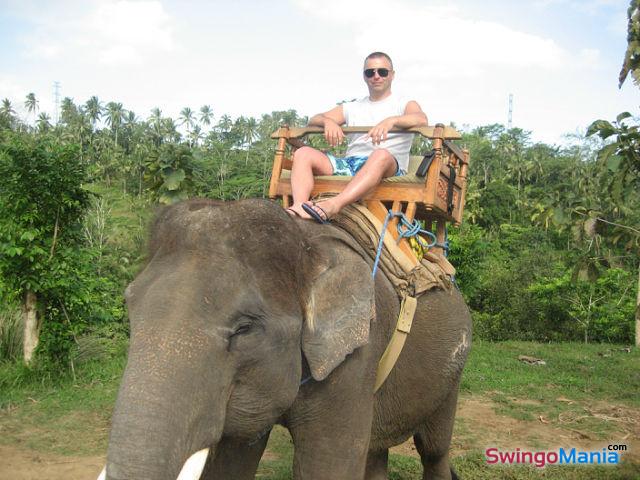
292, 212
316, 212
297, 211
321, 212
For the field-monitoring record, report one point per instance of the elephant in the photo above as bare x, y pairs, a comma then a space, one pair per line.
245, 317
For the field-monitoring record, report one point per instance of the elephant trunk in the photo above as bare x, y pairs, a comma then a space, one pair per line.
143, 453
163, 416
191, 470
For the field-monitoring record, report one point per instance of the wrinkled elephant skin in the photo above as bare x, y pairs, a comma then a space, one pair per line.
245, 317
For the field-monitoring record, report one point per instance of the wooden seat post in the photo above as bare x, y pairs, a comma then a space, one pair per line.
282, 134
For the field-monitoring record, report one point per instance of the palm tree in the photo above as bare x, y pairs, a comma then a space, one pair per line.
68, 111
94, 110
249, 129
195, 135
224, 125
170, 130
7, 113
155, 120
130, 122
83, 127
130, 117
206, 114
115, 115
31, 104
44, 123
186, 117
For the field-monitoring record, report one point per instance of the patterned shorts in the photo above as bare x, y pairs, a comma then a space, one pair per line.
350, 165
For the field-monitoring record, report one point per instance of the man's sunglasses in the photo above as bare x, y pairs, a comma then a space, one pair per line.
370, 72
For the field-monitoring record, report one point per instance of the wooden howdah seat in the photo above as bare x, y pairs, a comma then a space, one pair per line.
435, 198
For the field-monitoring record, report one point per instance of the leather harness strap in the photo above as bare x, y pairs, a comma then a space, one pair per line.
394, 348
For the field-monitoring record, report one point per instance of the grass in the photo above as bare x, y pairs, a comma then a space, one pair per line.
583, 372
44, 411
579, 384
49, 412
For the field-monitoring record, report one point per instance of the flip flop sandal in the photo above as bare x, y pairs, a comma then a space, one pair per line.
320, 218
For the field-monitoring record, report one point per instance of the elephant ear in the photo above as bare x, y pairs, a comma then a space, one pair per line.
340, 304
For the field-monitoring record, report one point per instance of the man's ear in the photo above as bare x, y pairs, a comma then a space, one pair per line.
340, 304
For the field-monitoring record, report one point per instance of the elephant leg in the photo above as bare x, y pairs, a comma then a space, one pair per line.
377, 463
334, 454
331, 432
433, 438
235, 459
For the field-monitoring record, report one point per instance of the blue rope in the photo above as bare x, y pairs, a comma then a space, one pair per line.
390, 215
407, 229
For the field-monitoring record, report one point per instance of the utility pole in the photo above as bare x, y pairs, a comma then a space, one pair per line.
510, 118
56, 100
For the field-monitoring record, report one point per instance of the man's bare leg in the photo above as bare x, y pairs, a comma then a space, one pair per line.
379, 165
307, 162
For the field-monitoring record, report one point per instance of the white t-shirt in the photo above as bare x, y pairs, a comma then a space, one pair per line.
364, 112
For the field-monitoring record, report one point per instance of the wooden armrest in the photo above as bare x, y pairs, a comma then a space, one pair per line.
427, 132
457, 151
295, 142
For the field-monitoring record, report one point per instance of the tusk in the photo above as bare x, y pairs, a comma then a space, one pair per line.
103, 474
194, 465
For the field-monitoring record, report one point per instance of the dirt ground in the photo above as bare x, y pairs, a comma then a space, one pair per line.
19, 464
480, 427
487, 428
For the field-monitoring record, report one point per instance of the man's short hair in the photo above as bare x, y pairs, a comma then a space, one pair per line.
379, 55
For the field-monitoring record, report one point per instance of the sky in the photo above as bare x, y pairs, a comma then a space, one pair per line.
459, 59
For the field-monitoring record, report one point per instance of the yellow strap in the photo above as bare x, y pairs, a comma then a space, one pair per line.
391, 354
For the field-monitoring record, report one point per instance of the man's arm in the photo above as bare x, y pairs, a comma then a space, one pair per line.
331, 122
413, 116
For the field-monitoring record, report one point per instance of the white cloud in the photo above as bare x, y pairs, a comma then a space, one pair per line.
436, 42
112, 33
10, 87
589, 58
126, 31
591, 7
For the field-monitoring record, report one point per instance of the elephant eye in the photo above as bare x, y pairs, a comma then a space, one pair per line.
245, 324
242, 329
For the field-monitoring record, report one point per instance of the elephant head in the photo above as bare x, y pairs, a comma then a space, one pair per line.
234, 298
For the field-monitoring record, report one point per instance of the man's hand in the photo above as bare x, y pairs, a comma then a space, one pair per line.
380, 132
333, 132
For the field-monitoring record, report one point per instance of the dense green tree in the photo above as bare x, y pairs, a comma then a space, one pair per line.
631, 63
620, 158
170, 172
42, 199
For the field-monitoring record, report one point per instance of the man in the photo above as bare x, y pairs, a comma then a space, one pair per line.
370, 157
